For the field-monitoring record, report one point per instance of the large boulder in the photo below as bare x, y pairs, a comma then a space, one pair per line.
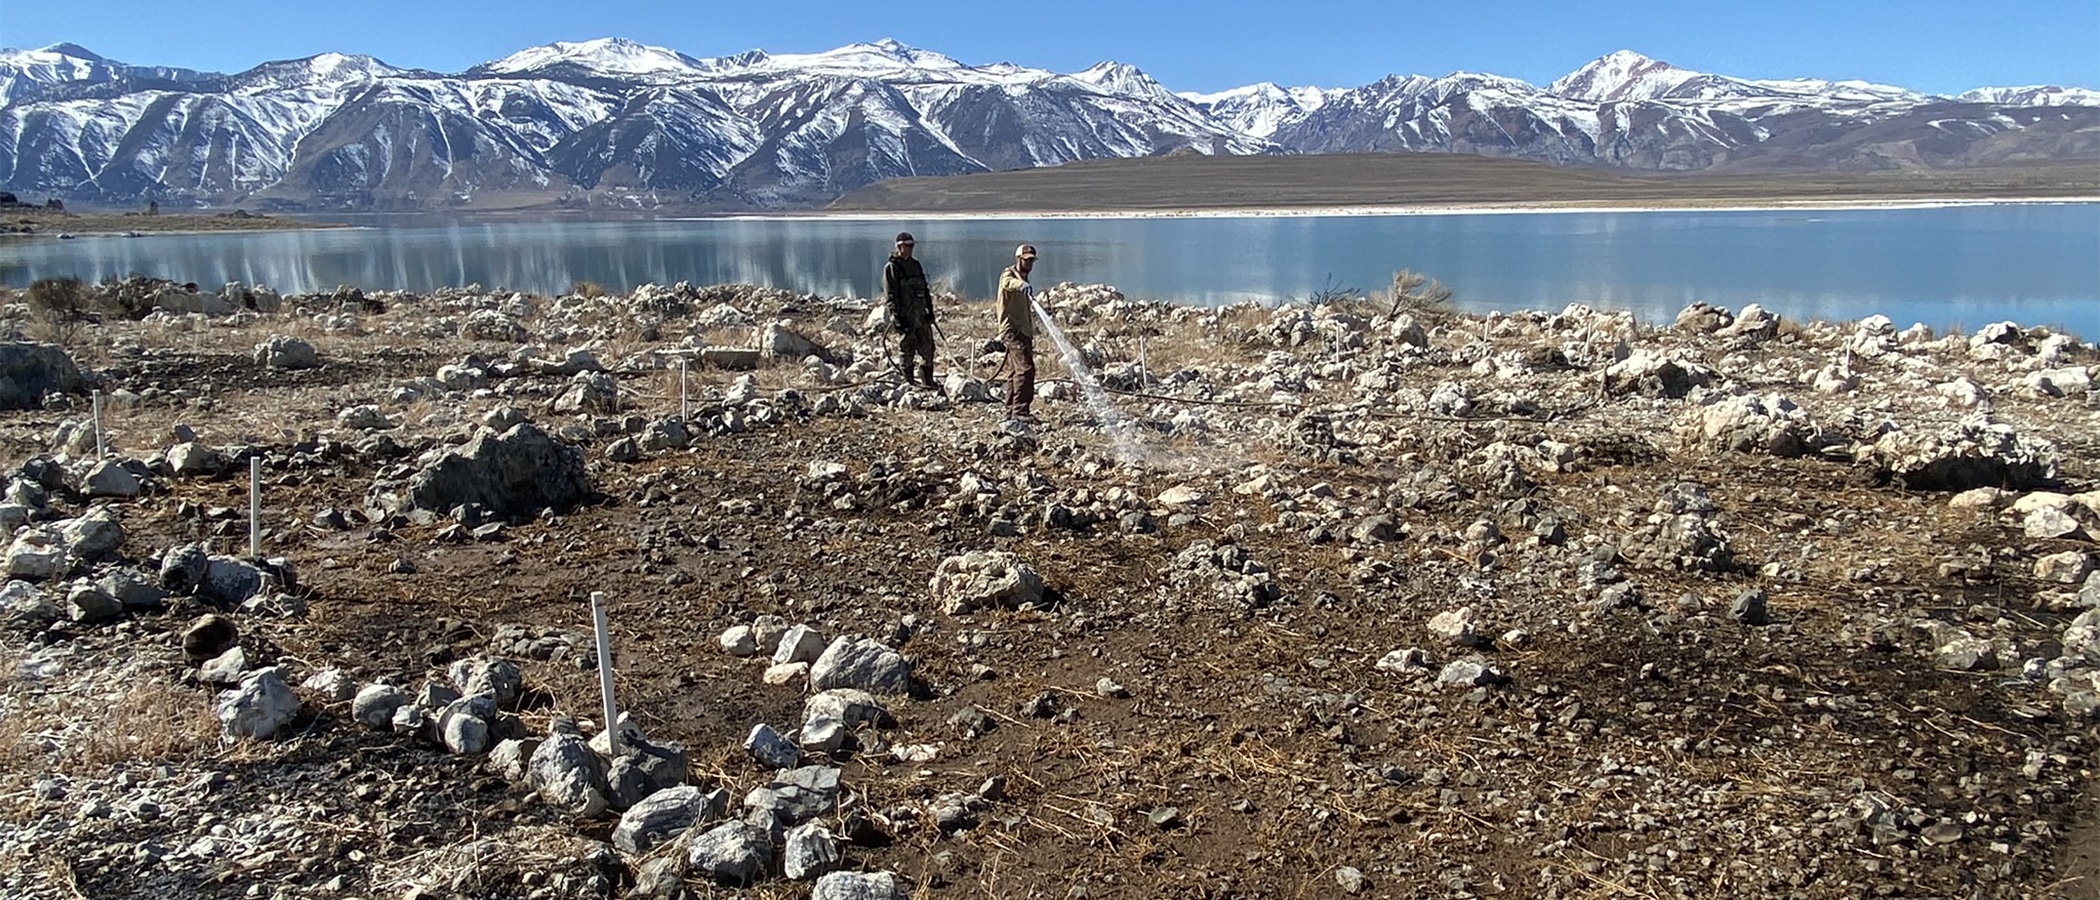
50, 550
282, 352
261, 704
797, 795
1704, 316
779, 341
463, 725
179, 300
190, 458
232, 581
666, 814
29, 371
1650, 374
1973, 454
1753, 325
492, 325
569, 775
25, 605
864, 664
590, 392
110, 478
374, 706
518, 473
985, 578
732, 853
810, 850
498, 678
856, 886
642, 769
2072, 381
1754, 424
851, 706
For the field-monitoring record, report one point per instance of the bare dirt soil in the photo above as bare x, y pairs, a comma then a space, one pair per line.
1199, 708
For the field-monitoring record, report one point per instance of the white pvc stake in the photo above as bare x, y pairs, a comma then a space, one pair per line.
685, 407
255, 507
1144, 371
101, 444
605, 678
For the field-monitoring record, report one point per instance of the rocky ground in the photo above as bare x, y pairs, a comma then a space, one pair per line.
1356, 599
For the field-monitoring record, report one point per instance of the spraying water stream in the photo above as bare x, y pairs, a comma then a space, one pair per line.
1121, 431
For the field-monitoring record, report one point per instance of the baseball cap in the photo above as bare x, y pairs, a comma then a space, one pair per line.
904, 237
1025, 250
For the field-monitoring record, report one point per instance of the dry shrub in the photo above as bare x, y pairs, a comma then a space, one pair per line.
60, 307
588, 290
1416, 292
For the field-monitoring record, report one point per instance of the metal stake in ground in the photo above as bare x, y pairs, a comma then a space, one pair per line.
685, 406
101, 445
605, 678
255, 506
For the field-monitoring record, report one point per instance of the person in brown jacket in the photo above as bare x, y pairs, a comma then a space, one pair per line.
1017, 332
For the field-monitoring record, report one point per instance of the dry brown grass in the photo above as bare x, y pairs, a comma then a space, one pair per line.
139, 716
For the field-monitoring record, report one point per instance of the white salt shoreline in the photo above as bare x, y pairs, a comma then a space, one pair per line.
1438, 210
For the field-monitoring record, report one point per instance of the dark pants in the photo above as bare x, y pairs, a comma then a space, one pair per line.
917, 343
1020, 371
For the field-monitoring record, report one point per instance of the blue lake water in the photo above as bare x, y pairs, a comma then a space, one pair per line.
1947, 267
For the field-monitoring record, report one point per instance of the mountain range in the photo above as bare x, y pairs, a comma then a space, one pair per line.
614, 122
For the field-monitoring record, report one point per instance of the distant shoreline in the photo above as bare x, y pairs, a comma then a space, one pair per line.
1453, 209
36, 222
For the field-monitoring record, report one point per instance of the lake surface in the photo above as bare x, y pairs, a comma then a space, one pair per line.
1947, 267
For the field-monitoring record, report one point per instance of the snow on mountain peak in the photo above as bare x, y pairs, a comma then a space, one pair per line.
1119, 78
55, 58
323, 70
1260, 109
1621, 75
2033, 95
607, 56
67, 48
886, 57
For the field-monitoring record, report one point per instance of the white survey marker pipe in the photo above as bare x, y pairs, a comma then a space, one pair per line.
605, 678
255, 507
685, 407
101, 445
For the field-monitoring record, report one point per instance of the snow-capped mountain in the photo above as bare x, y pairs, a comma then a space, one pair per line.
612, 119
1258, 109
323, 71
1626, 75
1629, 110
611, 59
2033, 95
26, 73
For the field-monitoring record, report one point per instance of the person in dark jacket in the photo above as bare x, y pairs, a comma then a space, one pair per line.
911, 310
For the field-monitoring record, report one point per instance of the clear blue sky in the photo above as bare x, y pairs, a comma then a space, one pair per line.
1939, 46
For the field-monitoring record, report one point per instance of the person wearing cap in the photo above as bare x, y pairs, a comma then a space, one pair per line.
1017, 332
911, 309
